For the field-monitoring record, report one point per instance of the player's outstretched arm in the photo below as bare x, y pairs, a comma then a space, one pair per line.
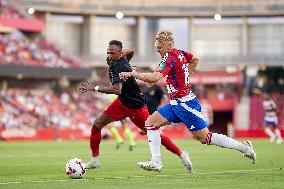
147, 77
115, 89
88, 86
128, 53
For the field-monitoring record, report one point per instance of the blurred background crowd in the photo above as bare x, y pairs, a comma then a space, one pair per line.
48, 47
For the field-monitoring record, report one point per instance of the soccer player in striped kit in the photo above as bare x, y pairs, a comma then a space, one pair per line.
177, 65
270, 119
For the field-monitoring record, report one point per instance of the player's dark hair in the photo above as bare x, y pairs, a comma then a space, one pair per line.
116, 43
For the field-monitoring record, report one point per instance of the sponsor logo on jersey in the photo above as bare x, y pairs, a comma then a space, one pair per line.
163, 62
162, 66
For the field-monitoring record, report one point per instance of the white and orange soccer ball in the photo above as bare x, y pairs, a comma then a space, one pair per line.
75, 168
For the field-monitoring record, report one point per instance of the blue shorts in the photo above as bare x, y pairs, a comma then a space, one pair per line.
270, 123
188, 113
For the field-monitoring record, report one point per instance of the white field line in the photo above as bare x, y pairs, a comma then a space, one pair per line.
141, 176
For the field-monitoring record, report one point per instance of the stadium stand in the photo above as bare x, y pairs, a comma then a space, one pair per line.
34, 109
12, 15
9, 12
16, 48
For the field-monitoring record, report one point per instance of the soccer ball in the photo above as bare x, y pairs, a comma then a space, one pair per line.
75, 168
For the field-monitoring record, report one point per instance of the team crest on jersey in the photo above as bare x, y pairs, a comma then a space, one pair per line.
163, 62
162, 66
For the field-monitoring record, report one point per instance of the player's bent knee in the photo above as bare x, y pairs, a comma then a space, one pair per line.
151, 120
97, 125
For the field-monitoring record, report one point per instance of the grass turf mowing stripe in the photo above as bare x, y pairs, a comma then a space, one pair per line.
138, 176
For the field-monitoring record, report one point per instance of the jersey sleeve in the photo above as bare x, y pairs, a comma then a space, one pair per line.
165, 65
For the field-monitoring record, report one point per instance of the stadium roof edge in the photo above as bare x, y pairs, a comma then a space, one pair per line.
157, 14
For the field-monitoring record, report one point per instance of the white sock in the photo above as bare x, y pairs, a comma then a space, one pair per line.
278, 134
154, 140
95, 159
269, 132
226, 142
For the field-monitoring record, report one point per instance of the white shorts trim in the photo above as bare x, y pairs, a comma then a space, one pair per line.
186, 98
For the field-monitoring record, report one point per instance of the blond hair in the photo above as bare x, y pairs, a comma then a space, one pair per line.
165, 36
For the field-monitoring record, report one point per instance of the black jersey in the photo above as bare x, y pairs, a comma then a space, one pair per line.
131, 95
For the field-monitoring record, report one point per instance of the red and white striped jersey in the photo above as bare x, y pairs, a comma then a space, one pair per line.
174, 66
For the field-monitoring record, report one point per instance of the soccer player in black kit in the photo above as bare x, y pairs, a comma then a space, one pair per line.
129, 103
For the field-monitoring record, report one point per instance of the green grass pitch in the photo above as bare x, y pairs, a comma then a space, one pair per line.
40, 165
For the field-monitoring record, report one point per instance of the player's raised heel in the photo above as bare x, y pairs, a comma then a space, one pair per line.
184, 158
151, 165
251, 153
93, 165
